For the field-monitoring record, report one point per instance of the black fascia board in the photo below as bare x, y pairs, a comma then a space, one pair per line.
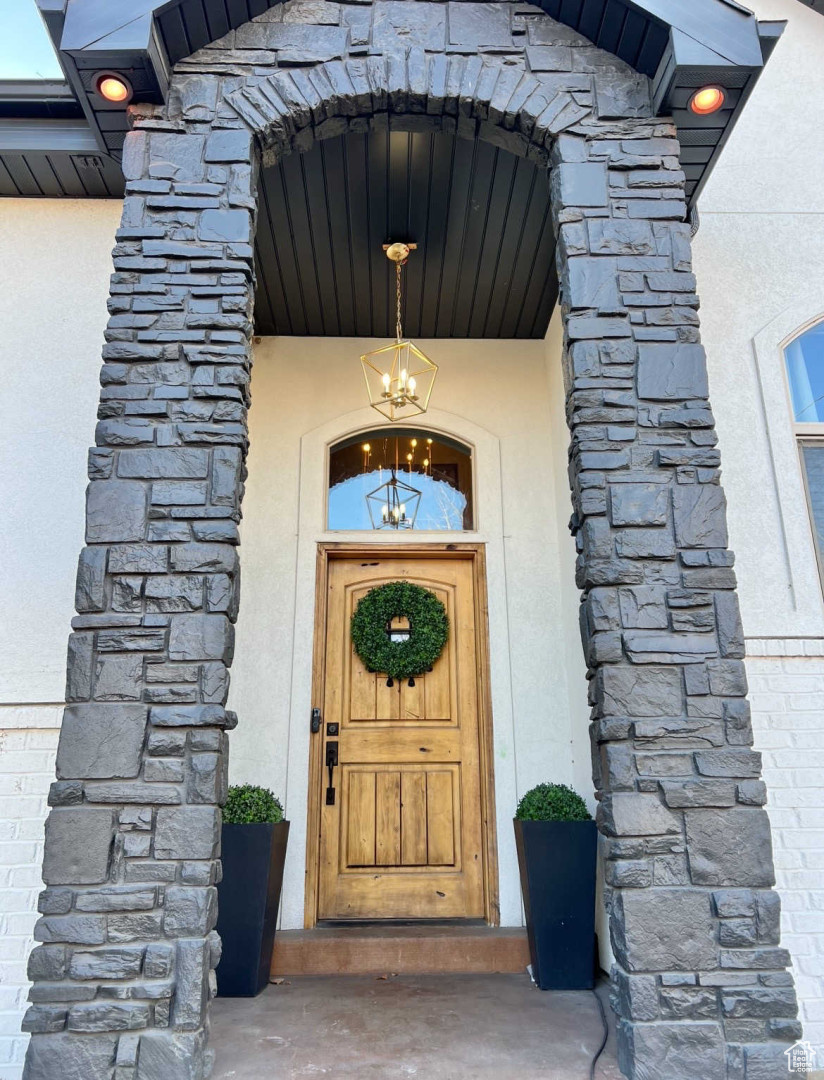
48, 136
769, 32
97, 35
35, 90
723, 26
38, 99
710, 41
689, 64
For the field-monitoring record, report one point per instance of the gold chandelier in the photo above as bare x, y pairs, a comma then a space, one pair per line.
393, 505
399, 377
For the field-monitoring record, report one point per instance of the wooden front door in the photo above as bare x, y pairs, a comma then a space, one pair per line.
404, 837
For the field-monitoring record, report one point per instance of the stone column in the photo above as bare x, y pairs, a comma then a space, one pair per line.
124, 971
699, 985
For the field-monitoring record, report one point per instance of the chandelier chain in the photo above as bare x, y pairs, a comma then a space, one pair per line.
398, 327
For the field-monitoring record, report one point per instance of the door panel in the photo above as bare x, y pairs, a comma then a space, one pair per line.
404, 836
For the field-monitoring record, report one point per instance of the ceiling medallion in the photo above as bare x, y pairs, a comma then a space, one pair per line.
399, 377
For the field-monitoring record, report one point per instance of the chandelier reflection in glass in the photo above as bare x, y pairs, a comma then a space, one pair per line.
399, 377
393, 505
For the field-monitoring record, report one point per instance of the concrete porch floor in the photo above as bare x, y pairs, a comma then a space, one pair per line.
433, 1027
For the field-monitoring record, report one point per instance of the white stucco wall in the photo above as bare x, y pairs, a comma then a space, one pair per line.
55, 261
759, 260
515, 422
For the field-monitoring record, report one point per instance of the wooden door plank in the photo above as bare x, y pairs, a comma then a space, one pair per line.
440, 822
436, 688
411, 893
413, 699
413, 818
360, 824
388, 818
392, 745
437, 681
362, 704
387, 698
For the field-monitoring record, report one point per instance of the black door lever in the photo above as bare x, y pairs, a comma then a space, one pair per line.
331, 762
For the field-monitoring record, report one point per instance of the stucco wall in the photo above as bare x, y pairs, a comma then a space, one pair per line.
759, 260
55, 262
307, 393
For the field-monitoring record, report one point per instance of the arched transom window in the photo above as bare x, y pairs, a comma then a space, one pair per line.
397, 479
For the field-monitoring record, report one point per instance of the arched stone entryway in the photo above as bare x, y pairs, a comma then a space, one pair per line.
124, 974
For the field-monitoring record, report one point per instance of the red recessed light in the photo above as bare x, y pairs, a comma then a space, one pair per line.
113, 87
707, 100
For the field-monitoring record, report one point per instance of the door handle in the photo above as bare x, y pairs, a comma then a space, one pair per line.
331, 762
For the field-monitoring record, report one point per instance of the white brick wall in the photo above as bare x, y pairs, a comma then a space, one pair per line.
28, 740
787, 692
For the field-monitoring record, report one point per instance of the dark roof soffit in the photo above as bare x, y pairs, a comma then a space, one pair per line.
687, 43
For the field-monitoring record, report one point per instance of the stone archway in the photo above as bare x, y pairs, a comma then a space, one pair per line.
125, 969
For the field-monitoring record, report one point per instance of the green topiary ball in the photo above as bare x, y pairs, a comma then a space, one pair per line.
552, 802
247, 804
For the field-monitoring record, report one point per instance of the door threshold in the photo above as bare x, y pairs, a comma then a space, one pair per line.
398, 949
335, 924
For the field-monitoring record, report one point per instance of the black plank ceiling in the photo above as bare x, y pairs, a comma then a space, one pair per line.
485, 261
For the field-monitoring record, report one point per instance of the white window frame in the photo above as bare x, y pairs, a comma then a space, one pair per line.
807, 433
797, 532
801, 441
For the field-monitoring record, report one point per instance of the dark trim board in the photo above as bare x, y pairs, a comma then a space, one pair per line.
679, 44
52, 159
48, 148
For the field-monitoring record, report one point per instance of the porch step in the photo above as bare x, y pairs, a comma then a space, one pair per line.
401, 950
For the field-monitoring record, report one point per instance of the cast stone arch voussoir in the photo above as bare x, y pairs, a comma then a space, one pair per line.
124, 970
468, 96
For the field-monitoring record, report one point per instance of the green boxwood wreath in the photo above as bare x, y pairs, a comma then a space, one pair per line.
429, 630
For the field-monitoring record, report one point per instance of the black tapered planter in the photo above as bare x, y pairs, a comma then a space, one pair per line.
557, 862
248, 899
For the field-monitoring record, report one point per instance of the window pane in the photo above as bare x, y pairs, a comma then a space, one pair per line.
436, 469
805, 368
812, 455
